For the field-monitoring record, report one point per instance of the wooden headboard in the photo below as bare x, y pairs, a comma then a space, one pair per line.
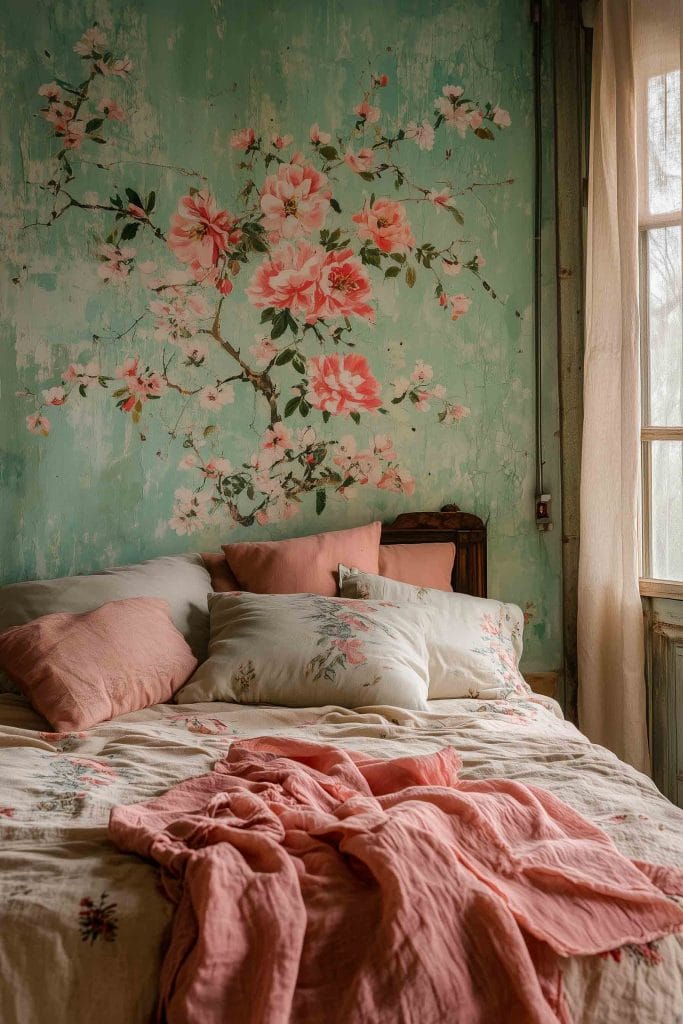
467, 532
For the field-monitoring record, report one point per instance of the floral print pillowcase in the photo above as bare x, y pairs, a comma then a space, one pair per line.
474, 644
305, 650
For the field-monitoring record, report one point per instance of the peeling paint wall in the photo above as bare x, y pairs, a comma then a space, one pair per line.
122, 474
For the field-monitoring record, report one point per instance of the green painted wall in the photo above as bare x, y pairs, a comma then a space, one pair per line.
106, 485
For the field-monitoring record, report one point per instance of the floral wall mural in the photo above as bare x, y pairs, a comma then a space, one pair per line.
265, 269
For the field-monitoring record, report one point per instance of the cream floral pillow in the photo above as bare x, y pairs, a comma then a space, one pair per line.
474, 645
304, 650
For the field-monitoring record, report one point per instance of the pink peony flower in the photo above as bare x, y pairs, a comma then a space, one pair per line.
92, 43
287, 279
386, 225
343, 287
282, 141
38, 424
440, 199
51, 91
295, 201
397, 480
359, 162
54, 396
501, 117
200, 232
111, 110
317, 137
422, 134
216, 397
243, 139
342, 384
366, 112
277, 438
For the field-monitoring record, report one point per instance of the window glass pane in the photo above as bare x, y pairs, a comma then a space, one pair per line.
664, 142
665, 326
667, 510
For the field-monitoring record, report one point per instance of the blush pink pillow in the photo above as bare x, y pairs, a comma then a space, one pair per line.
303, 565
422, 565
78, 670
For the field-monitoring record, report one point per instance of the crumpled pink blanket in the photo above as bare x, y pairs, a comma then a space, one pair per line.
318, 885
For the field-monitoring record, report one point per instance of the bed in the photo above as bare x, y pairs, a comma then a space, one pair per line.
83, 926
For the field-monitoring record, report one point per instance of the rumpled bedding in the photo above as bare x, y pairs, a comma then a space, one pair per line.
84, 926
287, 851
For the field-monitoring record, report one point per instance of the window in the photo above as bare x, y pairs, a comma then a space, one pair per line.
661, 332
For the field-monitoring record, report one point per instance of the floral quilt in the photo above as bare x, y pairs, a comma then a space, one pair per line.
94, 921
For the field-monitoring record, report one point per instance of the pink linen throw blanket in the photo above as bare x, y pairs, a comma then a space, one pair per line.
319, 885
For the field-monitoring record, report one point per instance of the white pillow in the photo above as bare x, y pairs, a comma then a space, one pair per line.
305, 650
474, 644
182, 580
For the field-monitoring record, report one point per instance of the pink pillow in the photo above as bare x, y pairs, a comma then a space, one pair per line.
423, 565
78, 670
303, 565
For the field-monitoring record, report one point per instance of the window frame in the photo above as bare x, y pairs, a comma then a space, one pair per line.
650, 586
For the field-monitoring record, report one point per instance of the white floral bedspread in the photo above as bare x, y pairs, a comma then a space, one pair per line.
82, 926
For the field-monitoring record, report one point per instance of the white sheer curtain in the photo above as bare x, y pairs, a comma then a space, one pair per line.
612, 694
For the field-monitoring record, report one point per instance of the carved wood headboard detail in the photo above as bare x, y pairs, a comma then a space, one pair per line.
467, 532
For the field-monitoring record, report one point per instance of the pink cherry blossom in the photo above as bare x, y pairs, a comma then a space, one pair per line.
501, 117
194, 351
343, 287
278, 438
119, 68
422, 401
317, 137
422, 372
200, 232
452, 92
93, 42
136, 211
141, 385
294, 201
479, 260
177, 319
264, 351
58, 114
386, 225
457, 413
216, 397
360, 162
397, 480
243, 139
422, 134
190, 461
451, 267
216, 468
383, 445
111, 110
342, 384
36, 423
287, 279
366, 112
115, 261
440, 199
459, 305
282, 141
400, 386
51, 91
476, 119
191, 510
54, 396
